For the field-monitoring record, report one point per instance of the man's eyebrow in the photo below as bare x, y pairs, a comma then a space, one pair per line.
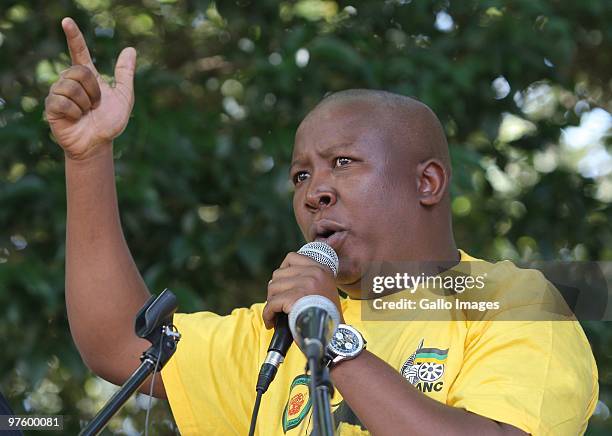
296, 162
334, 149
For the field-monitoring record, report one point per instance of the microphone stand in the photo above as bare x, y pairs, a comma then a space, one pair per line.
321, 391
154, 323
312, 318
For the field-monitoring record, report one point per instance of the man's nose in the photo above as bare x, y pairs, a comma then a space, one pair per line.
319, 196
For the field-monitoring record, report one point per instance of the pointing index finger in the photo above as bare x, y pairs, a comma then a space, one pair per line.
76, 44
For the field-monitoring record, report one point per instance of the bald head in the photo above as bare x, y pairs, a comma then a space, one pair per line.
409, 125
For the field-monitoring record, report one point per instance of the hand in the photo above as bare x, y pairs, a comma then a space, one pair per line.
84, 112
297, 277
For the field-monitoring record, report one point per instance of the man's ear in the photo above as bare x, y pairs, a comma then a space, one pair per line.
432, 178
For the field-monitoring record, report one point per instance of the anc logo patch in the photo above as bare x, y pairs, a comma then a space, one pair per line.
425, 367
298, 404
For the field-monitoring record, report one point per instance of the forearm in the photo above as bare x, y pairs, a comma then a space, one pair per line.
104, 289
388, 405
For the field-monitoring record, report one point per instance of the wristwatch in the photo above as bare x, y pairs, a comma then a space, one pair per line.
346, 344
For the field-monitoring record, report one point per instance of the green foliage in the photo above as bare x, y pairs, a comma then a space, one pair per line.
202, 167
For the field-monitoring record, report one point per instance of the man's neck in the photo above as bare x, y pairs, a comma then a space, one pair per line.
428, 264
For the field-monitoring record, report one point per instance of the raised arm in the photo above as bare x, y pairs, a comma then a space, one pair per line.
104, 289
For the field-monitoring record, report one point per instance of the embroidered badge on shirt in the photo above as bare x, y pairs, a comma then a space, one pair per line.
298, 404
425, 367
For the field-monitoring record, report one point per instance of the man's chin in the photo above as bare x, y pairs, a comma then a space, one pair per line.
349, 279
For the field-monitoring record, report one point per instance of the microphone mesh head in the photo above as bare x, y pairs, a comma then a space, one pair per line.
309, 302
322, 253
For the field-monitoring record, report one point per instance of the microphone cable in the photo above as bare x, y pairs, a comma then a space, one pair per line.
171, 331
280, 343
255, 411
161, 338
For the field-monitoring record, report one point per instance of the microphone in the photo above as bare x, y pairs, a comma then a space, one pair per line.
312, 320
282, 338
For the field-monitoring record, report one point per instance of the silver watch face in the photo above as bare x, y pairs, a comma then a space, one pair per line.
346, 341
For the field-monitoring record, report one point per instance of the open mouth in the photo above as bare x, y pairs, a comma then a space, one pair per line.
330, 232
332, 238
323, 235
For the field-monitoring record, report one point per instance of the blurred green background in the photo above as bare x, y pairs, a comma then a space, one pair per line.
523, 89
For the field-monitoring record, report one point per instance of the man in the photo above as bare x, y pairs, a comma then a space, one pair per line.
371, 173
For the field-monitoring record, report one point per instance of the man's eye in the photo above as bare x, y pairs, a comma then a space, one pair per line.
300, 176
341, 161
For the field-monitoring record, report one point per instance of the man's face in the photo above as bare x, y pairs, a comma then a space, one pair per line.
354, 186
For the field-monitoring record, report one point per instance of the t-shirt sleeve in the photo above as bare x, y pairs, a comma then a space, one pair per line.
210, 380
539, 376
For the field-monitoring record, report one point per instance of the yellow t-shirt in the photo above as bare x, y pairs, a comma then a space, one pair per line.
537, 375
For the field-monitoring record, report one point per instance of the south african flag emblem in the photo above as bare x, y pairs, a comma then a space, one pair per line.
431, 354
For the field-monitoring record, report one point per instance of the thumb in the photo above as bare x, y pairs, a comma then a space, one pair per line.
124, 70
